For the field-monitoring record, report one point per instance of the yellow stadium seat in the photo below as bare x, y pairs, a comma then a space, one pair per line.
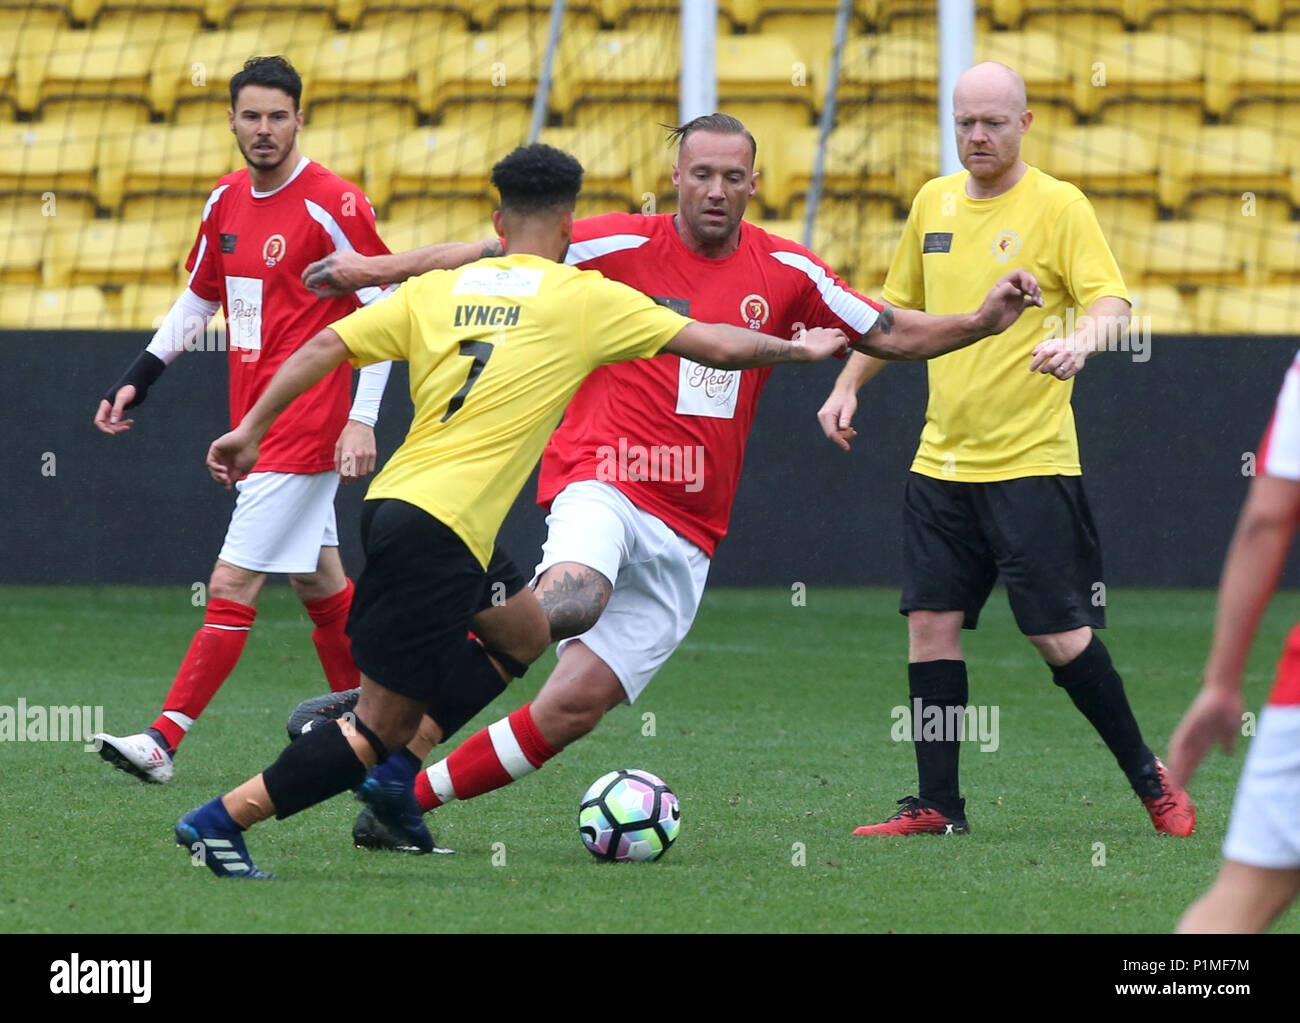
1073, 27
503, 123
1277, 117
112, 62
44, 159
420, 23
1038, 58
1270, 309
891, 160
435, 162
1160, 124
1264, 66
353, 65
847, 215
535, 25
94, 11
181, 214
625, 14
335, 150
143, 306
874, 252
1252, 213
358, 13
1208, 30
81, 308
104, 121
1161, 309
302, 24
1147, 13
479, 65
1222, 158
615, 66
227, 13
606, 163
1116, 213
1180, 252
167, 27
440, 220
812, 32
184, 159
113, 252
1279, 254
21, 245
1103, 159
415, 234
764, 68
1012, 13
200, 71
369, 124
1137, 65
875, 68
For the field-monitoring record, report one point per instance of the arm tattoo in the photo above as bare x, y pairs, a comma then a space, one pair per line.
766, 347
884, 322
493, 248
574, 602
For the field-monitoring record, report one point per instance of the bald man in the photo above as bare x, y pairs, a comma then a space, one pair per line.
995, 488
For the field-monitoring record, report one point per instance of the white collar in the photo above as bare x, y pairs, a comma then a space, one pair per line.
302, 166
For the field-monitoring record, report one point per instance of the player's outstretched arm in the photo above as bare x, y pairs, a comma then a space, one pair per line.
905, 334
344, 271
233, 454
1251, 571
723, 346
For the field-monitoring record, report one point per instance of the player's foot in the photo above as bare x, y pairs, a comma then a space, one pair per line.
216, 841
144, 755
918, 817
369, 833
388, 791
1172, 810
319, 709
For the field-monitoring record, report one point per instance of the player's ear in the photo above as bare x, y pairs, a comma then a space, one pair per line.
753, 184
230, 118
498, 224
677, 176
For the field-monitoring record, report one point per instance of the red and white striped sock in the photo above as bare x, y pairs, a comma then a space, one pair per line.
212, 656
333, 646
501, 753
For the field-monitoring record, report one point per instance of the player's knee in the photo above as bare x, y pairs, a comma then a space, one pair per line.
573, 597
229, 582
934, 635
567, 718
1060, 648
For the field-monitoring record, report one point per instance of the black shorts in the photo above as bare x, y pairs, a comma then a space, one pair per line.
1036, 532
414, 600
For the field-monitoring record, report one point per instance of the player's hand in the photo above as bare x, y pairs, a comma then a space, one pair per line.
231, 456
1062, 357
836, 417
355, 453
342, 272
821, 343
109, 417
1214, 716
1011, 296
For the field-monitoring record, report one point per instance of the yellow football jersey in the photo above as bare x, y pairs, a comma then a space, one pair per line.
988, 417
496, 350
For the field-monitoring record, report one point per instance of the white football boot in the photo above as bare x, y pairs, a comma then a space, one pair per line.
141, 755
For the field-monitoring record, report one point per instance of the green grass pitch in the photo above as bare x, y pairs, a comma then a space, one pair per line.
772, 723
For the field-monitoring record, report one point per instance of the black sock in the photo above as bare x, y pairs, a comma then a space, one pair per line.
940, 684
315, 766
1097, 690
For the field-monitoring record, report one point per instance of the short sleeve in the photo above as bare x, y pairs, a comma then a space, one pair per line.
621, 323
205, 274
380, 331
826, 300
905, 283
1088, 268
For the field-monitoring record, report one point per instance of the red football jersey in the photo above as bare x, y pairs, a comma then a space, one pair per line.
249, 255
668, 432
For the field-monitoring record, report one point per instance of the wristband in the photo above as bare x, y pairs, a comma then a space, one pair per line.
143, 372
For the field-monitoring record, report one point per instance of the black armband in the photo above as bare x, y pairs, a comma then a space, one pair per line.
143, 372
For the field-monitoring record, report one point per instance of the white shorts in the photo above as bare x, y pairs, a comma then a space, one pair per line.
281, 521
658, 578
1264, 830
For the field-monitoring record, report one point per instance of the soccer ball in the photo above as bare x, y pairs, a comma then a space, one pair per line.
629, 816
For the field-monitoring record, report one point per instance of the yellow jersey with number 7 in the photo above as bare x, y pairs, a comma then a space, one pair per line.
496, 350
